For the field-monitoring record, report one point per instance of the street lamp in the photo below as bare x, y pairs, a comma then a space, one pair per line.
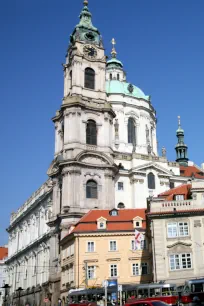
6, 287
19, 294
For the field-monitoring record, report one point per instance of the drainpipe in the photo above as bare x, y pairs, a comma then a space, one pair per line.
154, 253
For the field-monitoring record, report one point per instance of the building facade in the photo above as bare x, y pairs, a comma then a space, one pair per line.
31, 241
102, 246
177, 230
3, 256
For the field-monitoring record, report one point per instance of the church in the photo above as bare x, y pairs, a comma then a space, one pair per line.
105, 157
105, 134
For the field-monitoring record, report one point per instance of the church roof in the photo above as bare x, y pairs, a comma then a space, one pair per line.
119, 87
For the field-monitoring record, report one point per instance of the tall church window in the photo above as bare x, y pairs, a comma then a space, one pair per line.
118, 77
91, 190
70, 79
151, 180
89, 78
131, 131
91, 133
111, 76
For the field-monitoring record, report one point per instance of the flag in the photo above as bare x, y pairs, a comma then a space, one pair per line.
138, 238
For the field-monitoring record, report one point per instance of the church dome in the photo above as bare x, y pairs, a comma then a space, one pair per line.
124, 88
114, 63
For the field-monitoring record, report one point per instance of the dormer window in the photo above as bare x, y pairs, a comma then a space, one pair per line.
113, 212
179, 197
101, 223
137, 222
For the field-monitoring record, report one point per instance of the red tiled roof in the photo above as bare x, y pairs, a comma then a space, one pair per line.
180, 190
122, 222
3, 253
191, 170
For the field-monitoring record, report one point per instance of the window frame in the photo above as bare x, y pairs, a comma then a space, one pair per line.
91, 133
151, 182
177, 260
111, 243
89, 79
178, 228
91, 269
131, 131
91, 191
144, 265
135, 267
113, 268
120, 186
90, 250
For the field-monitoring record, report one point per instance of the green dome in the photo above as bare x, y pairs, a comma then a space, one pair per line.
124, 88
114, 62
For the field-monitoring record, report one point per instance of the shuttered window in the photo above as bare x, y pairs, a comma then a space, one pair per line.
91, 190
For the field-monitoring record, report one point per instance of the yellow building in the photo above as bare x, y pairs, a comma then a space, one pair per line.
102, 246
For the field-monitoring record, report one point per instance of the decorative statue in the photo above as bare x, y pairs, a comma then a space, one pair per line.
163, 152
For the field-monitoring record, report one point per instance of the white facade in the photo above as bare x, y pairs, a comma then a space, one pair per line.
2, 280
28, 262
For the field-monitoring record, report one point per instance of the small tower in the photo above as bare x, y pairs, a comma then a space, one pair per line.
114, 67
181, 148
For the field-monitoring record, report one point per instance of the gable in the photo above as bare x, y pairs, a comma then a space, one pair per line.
153, 166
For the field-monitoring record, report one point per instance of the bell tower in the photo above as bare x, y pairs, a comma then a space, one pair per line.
83, 168
84, 70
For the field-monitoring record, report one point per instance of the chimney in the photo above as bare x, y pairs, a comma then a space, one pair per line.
202, 166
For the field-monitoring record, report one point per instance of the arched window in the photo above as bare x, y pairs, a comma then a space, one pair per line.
91, 190
70, 78
91, 133
121, 205
111, 76
118, 77
151, 181
89, 78
131, 131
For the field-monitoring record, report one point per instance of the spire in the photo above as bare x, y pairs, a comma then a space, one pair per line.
181, 148
113, 52
84, 30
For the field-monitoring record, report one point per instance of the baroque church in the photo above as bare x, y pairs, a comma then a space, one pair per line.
106, 157
105, 134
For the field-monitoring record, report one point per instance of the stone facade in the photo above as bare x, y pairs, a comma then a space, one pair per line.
177, 229
29, 263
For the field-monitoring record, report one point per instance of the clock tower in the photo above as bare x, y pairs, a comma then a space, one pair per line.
83, 170
85, 60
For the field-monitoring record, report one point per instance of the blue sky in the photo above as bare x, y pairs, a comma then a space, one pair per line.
160, 44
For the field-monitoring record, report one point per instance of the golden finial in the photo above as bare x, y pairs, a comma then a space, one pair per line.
113, 52
86, 2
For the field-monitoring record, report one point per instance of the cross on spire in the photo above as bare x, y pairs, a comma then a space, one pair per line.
179, 121
113, 52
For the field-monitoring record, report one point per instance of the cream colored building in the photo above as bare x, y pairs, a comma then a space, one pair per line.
102, 246
178, 234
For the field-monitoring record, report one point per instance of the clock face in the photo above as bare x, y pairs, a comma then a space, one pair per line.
90, 51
